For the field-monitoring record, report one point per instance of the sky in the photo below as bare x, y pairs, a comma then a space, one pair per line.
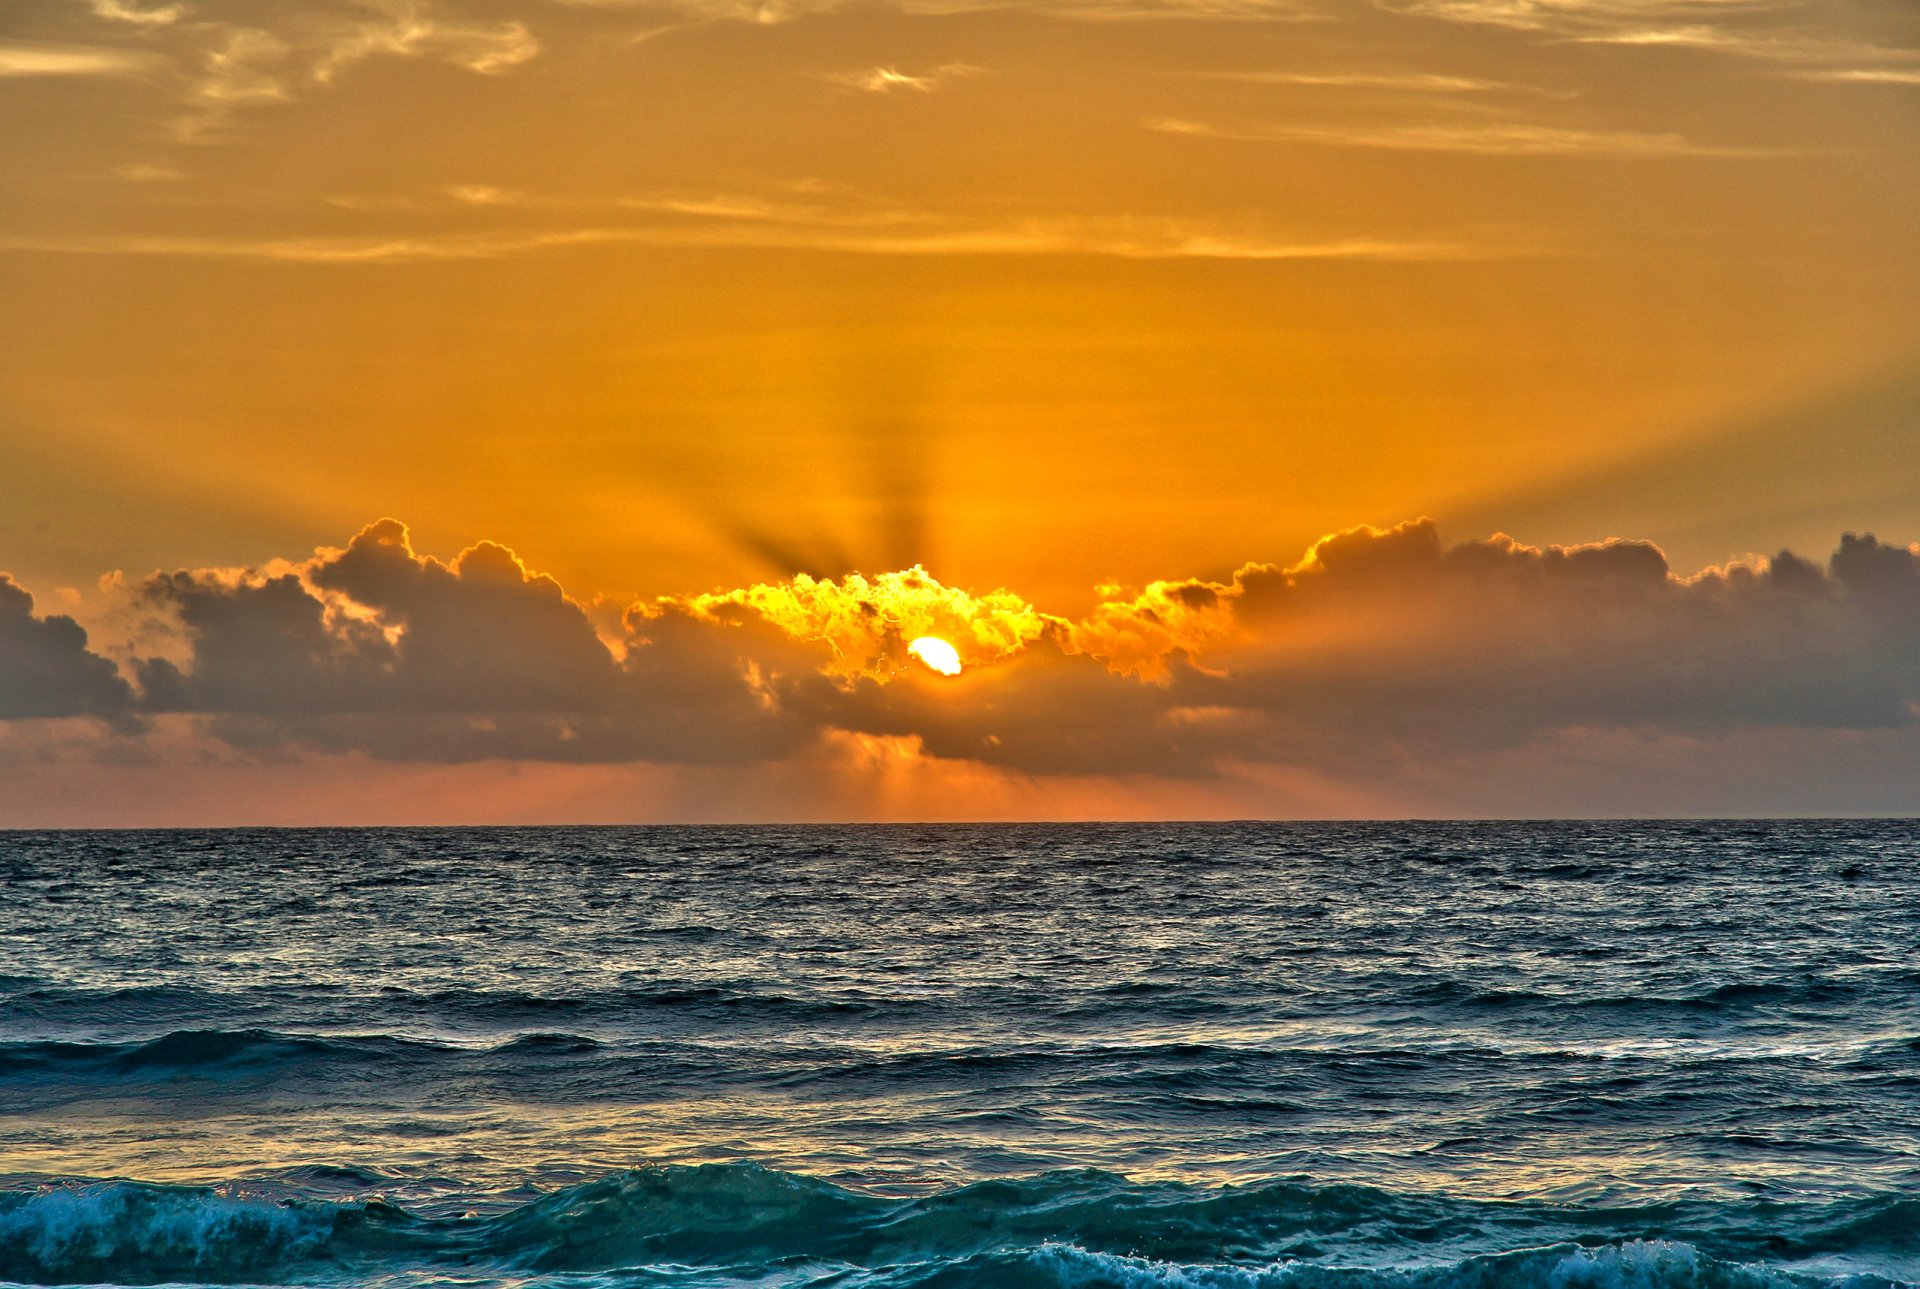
548, 410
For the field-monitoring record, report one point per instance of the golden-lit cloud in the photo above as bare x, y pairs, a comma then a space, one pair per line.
1142, 633
246, 66
886, 80
1409, 81
218, 59
484, 49
724, 227
1788, 35
71, 60
139, 15
1484, 138
1864, 75
866, 623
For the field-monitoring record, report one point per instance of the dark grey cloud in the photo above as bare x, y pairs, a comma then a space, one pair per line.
1393, 636
378, 649
46, 669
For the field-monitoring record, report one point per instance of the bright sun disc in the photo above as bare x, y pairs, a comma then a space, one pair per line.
937, 654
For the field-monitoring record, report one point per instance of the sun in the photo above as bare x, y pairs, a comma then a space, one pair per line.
937, 654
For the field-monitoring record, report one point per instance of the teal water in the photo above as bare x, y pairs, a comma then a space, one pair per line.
1208, 1055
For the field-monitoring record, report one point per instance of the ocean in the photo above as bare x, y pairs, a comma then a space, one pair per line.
1446, 1055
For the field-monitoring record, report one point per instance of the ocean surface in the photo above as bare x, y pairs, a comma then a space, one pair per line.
1457, 1056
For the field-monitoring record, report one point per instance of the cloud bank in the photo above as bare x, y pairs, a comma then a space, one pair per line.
1379, 647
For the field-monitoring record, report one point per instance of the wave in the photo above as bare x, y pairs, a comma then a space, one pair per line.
1638, 1264
134, 1234
1235, 1077
55, 1009
42, 1002
724, 1224
199, 1049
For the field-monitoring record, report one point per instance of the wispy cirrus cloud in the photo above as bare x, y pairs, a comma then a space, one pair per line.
882, 80
1483, 138
247, 65
486, 49
1596, 18
1754, 29
74, 60
149, 172
799, 218
888, 80
1408, 81
136, 14
1862, 75
218, 59
1161, 240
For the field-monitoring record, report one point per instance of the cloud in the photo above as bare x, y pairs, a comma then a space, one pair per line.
1410, 82
1389, 637
1755, 29
866, 623
767, 12
247, 65
244, 63
146, 172
1381, 652
885, 80
140, 16
897, 234
1491, 138
484, 49
1864, 75
228, 57
376, 648
72, 60
46, 669
1592, 15
222, 57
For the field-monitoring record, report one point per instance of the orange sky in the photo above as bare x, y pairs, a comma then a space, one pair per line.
681, 299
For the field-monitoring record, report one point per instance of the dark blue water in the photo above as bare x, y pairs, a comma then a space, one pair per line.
1196, 1055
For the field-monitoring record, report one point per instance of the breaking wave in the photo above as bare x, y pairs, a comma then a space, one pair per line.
734, 1224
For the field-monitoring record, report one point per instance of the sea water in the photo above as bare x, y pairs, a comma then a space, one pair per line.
1422, 1055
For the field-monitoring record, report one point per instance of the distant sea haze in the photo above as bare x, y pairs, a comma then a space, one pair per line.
1317, 1055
